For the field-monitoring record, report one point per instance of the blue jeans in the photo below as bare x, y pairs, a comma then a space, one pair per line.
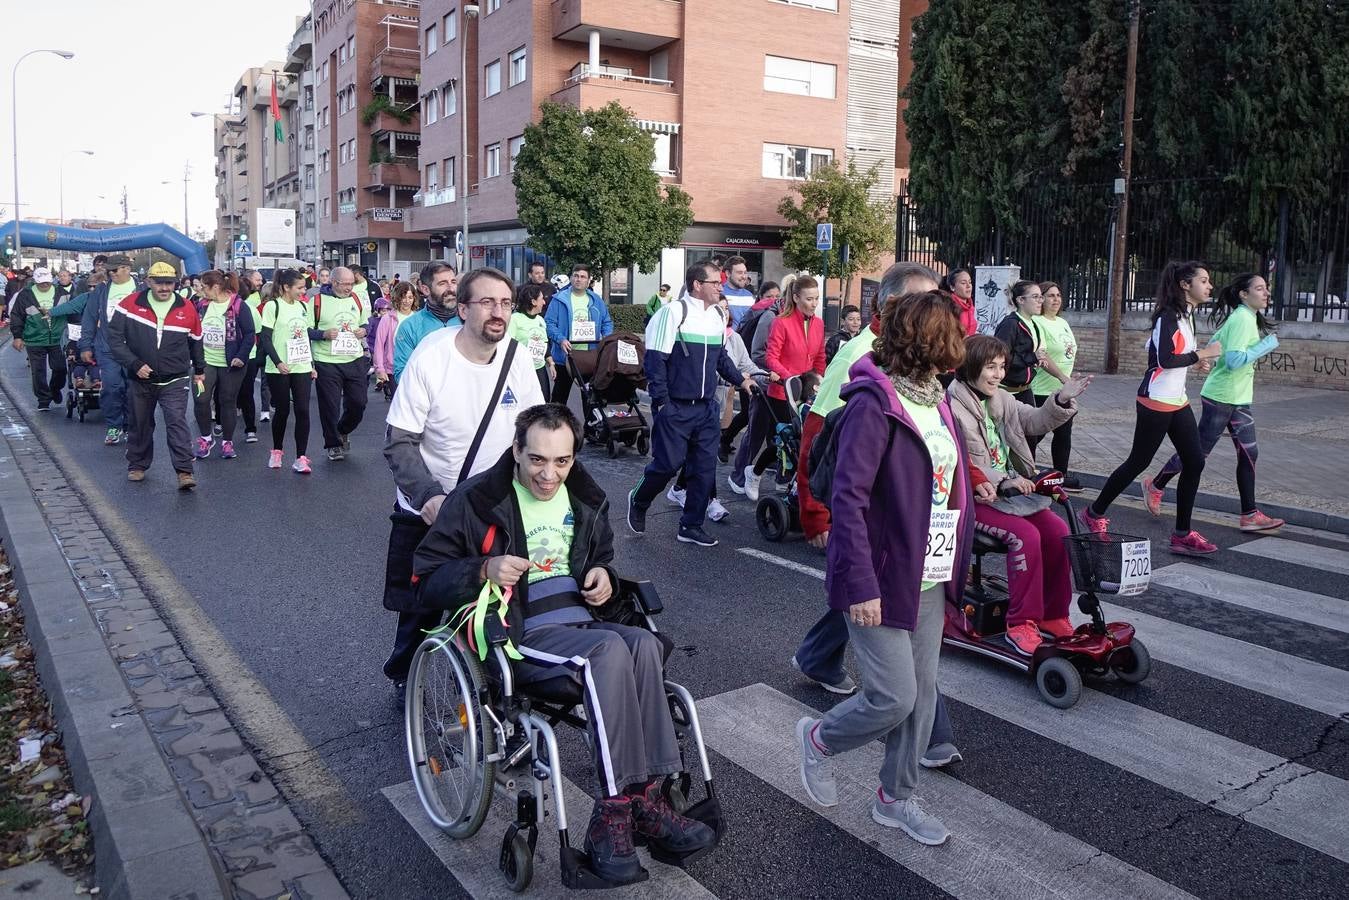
112, 399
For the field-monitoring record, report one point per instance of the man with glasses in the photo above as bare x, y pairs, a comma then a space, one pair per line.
448, 401
93, 344
339, 360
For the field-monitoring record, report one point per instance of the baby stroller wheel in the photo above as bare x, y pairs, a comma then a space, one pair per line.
1059, 682
772, 517
1138, 666
613, 448
70, 408
643, 443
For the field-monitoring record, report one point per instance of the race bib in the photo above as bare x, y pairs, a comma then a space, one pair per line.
940, 559
582, 332
73, 332
627, 353
1135, 567
213, 337
346, 344
297, 351
538, 348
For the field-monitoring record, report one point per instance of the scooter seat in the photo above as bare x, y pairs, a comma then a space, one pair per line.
986, 543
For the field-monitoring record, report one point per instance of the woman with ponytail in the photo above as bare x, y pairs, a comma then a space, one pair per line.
1163, 409
1246, 336
228, 333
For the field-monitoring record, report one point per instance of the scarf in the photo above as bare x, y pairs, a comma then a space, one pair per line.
925, 393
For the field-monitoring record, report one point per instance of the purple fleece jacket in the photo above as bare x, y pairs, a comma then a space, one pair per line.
882, 502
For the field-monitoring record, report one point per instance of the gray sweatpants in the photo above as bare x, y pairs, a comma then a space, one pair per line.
172, 398
623, 676
898, 697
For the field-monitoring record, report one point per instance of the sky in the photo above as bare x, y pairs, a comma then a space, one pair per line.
141, 67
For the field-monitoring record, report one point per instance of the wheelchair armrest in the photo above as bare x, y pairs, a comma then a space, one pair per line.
643, 595
496, 632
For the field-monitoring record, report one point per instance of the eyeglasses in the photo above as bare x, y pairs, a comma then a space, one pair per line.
490, 305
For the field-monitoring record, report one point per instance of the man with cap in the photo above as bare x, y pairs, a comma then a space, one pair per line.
34, 329
155, 335
93, 343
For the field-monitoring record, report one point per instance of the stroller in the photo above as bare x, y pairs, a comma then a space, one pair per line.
777, 516
609, 377
82, 387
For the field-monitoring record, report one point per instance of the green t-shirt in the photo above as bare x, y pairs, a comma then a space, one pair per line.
532, 333
46, 298
362, 289
827, 397
213, 334
160, 307
116, 294
548, 532
997, 447
1236, 387
1061, 347
289, 322
344, 314
941, 447
254, 304
580, 312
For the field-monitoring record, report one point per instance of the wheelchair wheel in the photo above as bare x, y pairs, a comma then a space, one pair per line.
517, 863
448, 739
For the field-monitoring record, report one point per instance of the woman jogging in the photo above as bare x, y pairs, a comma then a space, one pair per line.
1021, 333
290, 365
1226, 396
1163, 408
1061, 347
227, 337
531, 331
402, 304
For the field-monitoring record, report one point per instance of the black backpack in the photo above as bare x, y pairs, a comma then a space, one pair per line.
824, 456
749, 325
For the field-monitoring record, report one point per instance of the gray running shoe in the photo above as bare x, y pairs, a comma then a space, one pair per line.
817, 772
908, 815
939, 755
845, 686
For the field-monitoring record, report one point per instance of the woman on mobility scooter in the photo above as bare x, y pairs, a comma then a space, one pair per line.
996, 428
536, 525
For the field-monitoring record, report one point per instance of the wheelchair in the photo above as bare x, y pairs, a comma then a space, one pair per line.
472, 733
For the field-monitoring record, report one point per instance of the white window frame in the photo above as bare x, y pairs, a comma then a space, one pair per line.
785, 161
449, 100
431, 178
513, 148
432, 38
327, 208
450, 25
804, 77
351, 47
450, 164
342, 54
518, 57
431, 106
491, 6
666, 155
491, 160
493, 68
323, 72
822, 5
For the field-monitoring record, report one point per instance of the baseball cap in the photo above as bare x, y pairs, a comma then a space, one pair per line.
42, 276
162, 270
117, 260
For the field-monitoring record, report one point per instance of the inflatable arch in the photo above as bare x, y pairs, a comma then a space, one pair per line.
108, 240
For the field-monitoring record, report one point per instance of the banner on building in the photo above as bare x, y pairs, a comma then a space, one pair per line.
386, 214
276, 232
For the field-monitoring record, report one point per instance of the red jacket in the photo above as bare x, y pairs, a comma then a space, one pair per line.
969, 319
795, 347
172, 349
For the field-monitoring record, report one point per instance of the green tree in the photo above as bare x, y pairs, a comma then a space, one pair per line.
843, 197
586, 192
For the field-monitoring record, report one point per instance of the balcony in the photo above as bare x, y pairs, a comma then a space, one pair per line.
397, 63
633, 24
385, 121
435, 196
401, 172
301, 49
645, 98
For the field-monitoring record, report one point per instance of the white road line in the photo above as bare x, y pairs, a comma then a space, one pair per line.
995, 850
1264, 789
1291, 603
474, 861
1326, 559
784, 563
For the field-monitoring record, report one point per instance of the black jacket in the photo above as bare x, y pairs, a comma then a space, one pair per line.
1023, 341
450, 557
171, 350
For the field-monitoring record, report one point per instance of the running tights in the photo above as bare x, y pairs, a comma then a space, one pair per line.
1150, 428
1237, 421
285, 390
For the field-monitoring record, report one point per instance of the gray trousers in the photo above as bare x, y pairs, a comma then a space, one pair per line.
898, 697
172, 398
623, 675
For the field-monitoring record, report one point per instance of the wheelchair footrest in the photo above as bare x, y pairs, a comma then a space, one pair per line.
577, 874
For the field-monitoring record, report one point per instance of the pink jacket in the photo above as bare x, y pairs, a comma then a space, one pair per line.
383, 349
794, 349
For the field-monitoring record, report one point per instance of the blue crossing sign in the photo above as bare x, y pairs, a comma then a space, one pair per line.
243, 248
824, 236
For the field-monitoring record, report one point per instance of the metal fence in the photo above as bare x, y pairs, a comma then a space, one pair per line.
1064, 233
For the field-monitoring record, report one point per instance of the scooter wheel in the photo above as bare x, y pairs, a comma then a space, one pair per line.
1059, 682
1140, 666
772, 517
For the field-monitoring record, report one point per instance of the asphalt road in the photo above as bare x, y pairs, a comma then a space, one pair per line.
289, 568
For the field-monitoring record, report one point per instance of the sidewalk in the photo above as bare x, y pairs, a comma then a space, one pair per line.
1303, 470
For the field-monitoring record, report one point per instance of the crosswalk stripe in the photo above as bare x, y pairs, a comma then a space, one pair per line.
474, 861
1283, 676
1312, 556
1291, 603
995, 850
1264, 789
784, 563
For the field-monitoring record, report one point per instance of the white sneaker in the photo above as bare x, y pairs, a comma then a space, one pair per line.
715, 511
676, 496
730, 479
911, 817
264, 416
752, 483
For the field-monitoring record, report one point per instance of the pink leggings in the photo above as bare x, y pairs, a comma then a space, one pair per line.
1037, 562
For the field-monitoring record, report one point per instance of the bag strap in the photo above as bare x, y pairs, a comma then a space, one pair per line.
489, 539
487, 414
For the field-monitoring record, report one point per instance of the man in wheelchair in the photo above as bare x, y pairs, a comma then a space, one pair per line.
537, 524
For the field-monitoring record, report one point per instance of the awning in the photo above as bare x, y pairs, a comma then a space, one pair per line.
657, 127
396, 81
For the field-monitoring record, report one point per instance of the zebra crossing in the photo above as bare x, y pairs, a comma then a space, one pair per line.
1239, 808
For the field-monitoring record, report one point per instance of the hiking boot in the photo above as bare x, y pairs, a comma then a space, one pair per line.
939, 755
909, 816
845, 685
655, 823
676, 496
186, 482
301, 465
1192, 544
1024, 638
694, 534
1092, 523
227, 450
1258, 521
608, 842
135, 475
204, 447
112, 437
274, 459
751, 484
716, 512
1152, 497
817, 772
636, 514
1058, 628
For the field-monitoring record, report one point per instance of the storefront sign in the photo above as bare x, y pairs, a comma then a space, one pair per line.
386, 214
346, 208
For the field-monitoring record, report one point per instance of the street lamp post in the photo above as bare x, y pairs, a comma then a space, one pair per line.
61, 192
470, 12
14, 106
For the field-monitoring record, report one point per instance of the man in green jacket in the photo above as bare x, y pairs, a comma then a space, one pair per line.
40, 334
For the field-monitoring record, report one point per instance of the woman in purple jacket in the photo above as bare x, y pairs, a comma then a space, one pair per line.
899, 548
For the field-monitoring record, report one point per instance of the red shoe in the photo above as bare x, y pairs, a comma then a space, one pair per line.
1024, 638
1152, 497
1096, 524
1193, 544
1258, 521
1058, 628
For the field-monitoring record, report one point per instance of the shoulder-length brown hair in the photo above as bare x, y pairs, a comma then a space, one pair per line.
980, 350
919, 332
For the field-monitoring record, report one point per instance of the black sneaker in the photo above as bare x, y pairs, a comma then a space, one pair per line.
336, 454
609, 842
657, 825
400, 691
346, 442
58, 398
1071, 484
636, 514
695, 535
44, 405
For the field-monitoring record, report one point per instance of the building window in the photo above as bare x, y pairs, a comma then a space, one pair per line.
431, 104
432, 40
828, 5
450, 25
323, 161
351, 48
323, 119
663, 157
513, 148
432, 178
342, 153
784, 161
491, 78
327, 209
799, 76
323, 72
449, 103
450, 171
492, 6
519, 68
342, 55
351, 149
492, 160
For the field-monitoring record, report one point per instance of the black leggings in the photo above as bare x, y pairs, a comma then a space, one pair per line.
780, 413
1062, 446
1149, 430
224, 381
283, 389
738, 421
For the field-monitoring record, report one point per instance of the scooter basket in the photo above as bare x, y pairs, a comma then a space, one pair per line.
1098, 560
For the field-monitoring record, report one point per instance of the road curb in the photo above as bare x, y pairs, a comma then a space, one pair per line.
146, 842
